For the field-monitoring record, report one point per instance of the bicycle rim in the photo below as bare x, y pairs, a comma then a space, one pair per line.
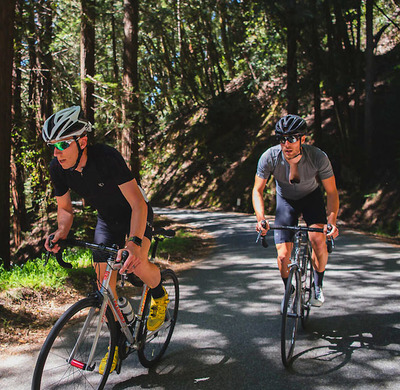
307, 282
53, 369
154, 344
290, 317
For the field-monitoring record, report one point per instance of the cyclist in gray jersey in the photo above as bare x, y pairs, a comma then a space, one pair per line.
296, 169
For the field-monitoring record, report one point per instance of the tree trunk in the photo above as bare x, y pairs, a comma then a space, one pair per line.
224, 38
315, 50
7, 13
19, 217
33, 72
44, 60
292, 97
129, 136
369, 80
357, 84
87, 57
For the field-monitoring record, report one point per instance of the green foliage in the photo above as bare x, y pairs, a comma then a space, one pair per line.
212, 80
181, 244
35, 274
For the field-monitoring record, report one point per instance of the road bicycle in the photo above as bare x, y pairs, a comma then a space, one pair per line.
299, 287
71, 355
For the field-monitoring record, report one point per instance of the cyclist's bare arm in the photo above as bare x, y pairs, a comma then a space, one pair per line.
332, 204
65, 217
134, 196
258, 203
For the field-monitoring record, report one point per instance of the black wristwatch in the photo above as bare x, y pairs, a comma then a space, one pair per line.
136, 240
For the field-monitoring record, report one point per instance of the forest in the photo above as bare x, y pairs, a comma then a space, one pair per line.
189, 92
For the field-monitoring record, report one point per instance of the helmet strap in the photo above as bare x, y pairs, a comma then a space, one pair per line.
80, 152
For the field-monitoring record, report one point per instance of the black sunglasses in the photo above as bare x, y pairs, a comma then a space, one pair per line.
291, 138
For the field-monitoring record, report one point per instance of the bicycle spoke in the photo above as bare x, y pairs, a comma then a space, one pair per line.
73, 334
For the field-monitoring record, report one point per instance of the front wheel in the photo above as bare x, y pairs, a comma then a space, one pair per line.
290, 315
62, 362
154, 344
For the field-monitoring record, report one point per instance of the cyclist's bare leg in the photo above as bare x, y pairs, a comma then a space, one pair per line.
100, 271
284, 250
148, 272
320, 252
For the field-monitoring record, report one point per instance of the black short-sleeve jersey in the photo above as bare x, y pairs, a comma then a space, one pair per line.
98, 182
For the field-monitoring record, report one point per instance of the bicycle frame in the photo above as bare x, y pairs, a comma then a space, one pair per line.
78, 341
109, 299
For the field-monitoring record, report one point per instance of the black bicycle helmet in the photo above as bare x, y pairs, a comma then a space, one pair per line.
66, 123
290, 124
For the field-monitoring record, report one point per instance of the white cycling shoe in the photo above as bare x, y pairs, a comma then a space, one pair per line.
317, 297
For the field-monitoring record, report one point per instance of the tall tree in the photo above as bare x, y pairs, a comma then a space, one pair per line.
369, 79
88, 57
7, 14
316, 55
44, 59
19, 216
130, 105
291, 61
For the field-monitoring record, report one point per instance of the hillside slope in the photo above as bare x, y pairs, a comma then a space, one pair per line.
207, 157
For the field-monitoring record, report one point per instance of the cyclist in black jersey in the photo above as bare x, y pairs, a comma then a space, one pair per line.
100, 175
296, 168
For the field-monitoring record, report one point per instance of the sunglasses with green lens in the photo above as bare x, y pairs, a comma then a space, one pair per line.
61, 145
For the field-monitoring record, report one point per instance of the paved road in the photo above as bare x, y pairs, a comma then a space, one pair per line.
228, 331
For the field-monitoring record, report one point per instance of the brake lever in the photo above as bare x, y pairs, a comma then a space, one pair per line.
330, 241
58, 255
48, 253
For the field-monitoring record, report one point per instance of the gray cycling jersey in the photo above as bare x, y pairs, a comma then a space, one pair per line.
314, 163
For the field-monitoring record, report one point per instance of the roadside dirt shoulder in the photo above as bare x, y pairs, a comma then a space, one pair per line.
27, 314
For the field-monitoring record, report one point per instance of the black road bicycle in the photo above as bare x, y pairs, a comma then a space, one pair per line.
299, 287
71, 355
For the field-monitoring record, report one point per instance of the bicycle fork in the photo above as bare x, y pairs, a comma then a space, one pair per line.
88, 365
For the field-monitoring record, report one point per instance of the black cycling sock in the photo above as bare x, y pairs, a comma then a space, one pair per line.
318, 278
157, 292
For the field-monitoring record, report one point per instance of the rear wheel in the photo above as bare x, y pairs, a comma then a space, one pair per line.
154, 343
290, 316
74, 333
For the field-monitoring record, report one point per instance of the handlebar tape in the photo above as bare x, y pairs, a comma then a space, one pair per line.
58, 255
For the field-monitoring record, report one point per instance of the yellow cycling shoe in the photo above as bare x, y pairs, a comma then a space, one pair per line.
103, 362
157, 312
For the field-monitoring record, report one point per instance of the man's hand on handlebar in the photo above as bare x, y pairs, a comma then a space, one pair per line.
51, 241
263, 227
133, 259
331, 231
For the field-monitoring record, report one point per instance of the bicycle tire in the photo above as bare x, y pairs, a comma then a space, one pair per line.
53, 371
307, 284
290, 316
154, 344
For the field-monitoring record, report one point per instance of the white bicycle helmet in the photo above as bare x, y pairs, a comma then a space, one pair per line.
66, 123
